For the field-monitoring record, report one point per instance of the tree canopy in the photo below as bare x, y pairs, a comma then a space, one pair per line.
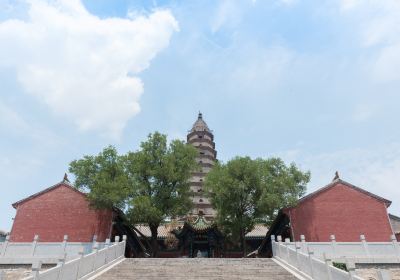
150, 185
161, 174
244, 191
104, 177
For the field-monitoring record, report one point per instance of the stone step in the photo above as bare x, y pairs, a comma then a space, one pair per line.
199, 269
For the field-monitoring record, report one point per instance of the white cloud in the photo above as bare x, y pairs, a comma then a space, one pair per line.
378, 24
346, 5
364, 112
228, 13
81, 66
260, 69
10, 120
288, 2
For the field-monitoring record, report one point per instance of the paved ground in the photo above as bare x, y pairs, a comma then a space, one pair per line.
210, 269
15, 272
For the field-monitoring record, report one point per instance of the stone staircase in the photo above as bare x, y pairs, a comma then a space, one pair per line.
197, 268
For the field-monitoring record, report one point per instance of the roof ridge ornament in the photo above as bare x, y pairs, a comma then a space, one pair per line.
65, 179
336, 176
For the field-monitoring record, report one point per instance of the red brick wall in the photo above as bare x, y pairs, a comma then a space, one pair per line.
342, 211
57, 212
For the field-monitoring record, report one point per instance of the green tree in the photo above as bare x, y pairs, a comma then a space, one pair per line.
161, 175
244, 191
104, 178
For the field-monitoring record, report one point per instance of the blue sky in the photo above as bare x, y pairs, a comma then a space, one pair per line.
314, 82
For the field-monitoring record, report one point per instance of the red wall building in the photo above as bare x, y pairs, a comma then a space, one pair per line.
56, 211
341, 209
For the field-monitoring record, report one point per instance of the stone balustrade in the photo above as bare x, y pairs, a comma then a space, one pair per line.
315, 259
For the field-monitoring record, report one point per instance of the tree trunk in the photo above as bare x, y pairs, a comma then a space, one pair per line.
154, 244
243, 241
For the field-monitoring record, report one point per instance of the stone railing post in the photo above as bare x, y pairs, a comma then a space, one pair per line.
304, 246
287, 242
298, 250
60, 264
333, 244
328, 263
364, 244
36, 266
384, 274
95, 250
351, 268
273, 245
94, 241
396, 247
34, 244
116, 242
124, 239
311, 262
279, 246
81, 255
107, 245
5, 245
2, 275
64, 245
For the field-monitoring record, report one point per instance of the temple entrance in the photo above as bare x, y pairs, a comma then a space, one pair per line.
201, 249
200, 239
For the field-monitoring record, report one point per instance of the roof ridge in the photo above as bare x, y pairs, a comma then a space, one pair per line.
61, 183
337, 181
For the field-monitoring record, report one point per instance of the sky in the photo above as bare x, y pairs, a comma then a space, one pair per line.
314, 82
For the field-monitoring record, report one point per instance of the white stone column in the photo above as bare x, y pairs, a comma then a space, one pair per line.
396, 247
36, 266
78, 269
273, 247
64, 245
124, 239
60, 264
287, 242
328, 264
311, 262
116, 242
298, 250
279, 246
351, 268
94, 241
304, 246
384, 274
95, 251
34, 244
333, 245
5, 245
364, 244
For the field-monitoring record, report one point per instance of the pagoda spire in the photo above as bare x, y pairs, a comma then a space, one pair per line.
200, 124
